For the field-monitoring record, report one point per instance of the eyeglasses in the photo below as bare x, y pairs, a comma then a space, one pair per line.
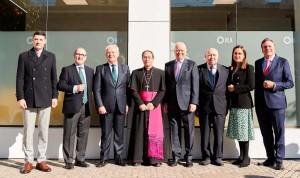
78, 54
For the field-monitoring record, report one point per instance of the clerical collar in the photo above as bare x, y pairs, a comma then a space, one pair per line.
149, 69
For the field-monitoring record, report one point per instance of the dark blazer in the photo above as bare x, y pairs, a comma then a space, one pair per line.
36, 78
68, 78
187, 86
106, 93
279, 73
212, 97
244, 82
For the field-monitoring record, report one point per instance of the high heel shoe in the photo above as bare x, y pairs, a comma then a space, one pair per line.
245, 162
237, 162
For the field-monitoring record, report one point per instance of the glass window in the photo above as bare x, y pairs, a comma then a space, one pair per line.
213, 23
91, 24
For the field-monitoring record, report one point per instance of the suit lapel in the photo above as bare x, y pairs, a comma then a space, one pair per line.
184, 67
205, 74
32, 56
108, 71
76, 74
121, 73
273, 64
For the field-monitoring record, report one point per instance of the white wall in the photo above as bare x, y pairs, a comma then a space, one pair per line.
11, 144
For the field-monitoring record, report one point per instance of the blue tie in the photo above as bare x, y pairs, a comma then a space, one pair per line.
211, 77
85, 87
114, 74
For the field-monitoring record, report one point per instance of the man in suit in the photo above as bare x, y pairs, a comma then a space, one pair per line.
212, 106
111, 83
36, 92
76, 81
272, 77
180, 102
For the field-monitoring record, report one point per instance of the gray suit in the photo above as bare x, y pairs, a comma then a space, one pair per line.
178, 97
114, 99
212, 109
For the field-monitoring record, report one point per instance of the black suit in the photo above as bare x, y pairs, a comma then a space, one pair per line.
33, 77
76, 114
212, 109
114, 98
179, 95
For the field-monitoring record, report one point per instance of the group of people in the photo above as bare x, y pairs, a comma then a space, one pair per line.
182, 90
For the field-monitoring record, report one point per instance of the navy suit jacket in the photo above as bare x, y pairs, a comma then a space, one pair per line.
68, 78
279, 73
186, 88
108, 94
36, 78
213, 98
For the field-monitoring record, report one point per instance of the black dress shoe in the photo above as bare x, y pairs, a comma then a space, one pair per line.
120, 162
81, 164
69, 166
237, 162
189, 163
279, 166
218, 162
157, 165
267, 163
173, 162
205, 162
102, 163
136, 164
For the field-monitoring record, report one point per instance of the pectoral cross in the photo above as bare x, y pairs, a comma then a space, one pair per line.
147, 86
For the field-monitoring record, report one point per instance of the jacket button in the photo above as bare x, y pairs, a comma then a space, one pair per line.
33, 78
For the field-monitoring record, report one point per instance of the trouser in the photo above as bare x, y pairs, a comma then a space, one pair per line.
29, 117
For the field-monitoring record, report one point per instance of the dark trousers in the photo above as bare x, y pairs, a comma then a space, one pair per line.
76, 125
271, 123
111, 121
216, 122
176, 116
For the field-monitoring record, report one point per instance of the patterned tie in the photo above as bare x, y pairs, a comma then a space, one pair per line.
83, 82
114, 74
267, 67
176, 71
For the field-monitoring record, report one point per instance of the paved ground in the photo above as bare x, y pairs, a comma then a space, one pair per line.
9, 168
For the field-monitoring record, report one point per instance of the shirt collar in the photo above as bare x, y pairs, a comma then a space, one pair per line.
271, 59
213, 67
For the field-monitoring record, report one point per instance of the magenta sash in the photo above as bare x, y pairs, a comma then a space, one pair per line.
155, 128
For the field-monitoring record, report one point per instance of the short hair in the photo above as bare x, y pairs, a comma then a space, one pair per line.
265, 40
39, 33
245, 61
149, 52
114, 46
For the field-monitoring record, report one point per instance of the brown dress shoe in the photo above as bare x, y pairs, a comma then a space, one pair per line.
42, 166
27, 168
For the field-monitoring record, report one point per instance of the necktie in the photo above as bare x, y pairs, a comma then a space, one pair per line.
267, 67
83, 82
114, 74
212, 77
176, 71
